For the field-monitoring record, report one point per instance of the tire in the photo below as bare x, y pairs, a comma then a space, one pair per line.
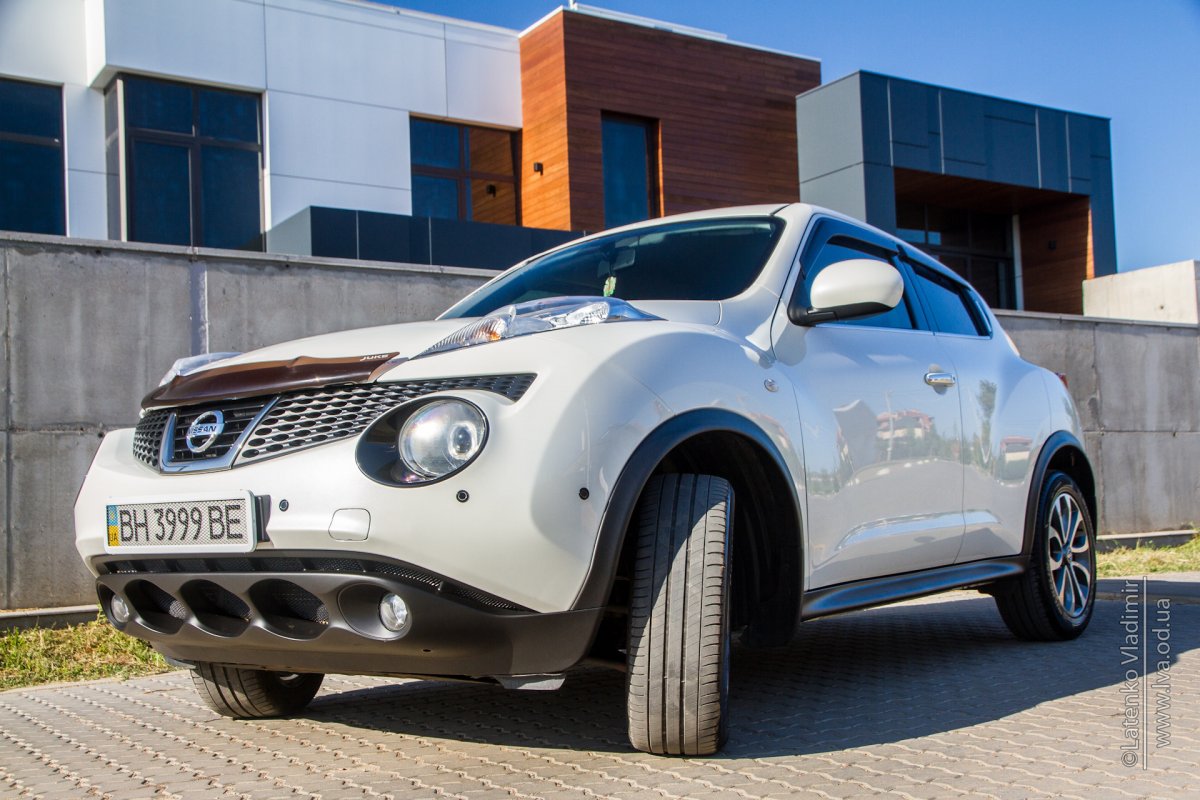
254, 693
1054, 598
677, 685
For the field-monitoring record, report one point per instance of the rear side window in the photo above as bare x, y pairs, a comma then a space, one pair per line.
949, 303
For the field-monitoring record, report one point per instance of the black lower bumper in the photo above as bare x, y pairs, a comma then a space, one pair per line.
312, 620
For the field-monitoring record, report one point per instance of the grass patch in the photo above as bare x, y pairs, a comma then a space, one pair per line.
1148, 560
75, 653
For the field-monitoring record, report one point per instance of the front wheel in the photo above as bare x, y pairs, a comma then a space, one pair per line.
678, 656
1055, 597
254, 693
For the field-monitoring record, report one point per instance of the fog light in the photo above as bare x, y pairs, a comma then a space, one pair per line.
119, 610
393, 613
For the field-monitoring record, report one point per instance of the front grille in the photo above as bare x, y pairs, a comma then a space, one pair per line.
297, 420
312, 417
238, 417
280, 564
147, 437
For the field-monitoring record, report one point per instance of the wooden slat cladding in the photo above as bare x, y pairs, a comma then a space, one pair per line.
726, 114
1053, 278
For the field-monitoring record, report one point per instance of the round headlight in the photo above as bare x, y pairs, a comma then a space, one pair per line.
441, 437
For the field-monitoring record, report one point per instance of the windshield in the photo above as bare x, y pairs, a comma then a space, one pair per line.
711, 259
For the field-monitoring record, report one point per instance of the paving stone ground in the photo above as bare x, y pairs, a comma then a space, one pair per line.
926, 699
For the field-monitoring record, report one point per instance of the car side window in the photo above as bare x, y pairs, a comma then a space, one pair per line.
843, 248
949, 303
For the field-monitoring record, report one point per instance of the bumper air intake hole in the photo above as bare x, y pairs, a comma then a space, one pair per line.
218, 610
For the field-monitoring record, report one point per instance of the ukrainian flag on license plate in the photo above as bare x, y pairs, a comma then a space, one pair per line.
114, 530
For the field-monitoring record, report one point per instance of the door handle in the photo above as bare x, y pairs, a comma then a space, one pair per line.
940, 380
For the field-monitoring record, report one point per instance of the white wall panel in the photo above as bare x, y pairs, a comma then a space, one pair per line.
87, 204
483, 81
312, 54
42, 40
289, 196
85, 127
314, 137
214, 41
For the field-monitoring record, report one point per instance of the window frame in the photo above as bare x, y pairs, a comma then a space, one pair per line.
193, 142
464, 173
57, 143
650, 127
826, 229
974, 305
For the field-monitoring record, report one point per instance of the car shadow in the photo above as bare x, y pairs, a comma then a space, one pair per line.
865, 678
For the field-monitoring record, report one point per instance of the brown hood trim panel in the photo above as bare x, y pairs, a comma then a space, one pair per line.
267, 377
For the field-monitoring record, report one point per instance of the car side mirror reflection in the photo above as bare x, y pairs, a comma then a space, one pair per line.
858, 287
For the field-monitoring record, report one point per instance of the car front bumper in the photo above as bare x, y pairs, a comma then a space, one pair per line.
305, 611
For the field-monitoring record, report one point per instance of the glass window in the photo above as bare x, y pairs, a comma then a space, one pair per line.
976, 245
463, 172
703, 260
844, 249
159, 201
948, 303
229, 116
627, 152
435, 197
32, 188
230, 214
194, 161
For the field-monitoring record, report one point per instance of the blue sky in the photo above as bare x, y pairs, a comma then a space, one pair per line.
1137, 63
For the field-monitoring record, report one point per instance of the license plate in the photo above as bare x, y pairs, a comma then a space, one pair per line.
223, 523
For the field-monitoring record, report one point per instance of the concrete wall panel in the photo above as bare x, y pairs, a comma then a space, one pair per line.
45, 569
1147, 377
1150, 480
92, 331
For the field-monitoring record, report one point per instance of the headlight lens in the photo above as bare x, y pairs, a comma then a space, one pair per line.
440, 437
536, 316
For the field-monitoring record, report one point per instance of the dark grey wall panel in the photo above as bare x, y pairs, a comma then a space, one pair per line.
1079, 145
854, 131
1012, 152
963, 137
1008, 109
876, 128
1052, 149
910, 113
1104, 226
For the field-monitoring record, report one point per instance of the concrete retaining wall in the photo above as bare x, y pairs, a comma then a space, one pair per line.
89, 327
1138, 394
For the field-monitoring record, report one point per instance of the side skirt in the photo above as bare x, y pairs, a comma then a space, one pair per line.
878, 591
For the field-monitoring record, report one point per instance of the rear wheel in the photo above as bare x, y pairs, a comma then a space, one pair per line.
678, 655
254, 693
1054, 598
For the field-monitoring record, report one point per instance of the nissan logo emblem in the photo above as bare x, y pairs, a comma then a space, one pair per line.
204, 430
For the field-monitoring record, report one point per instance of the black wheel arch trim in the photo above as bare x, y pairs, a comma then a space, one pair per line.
637, 471
1054, 444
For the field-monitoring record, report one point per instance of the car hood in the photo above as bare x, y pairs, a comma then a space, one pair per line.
354, 356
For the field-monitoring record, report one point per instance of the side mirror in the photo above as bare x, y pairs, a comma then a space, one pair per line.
859, 287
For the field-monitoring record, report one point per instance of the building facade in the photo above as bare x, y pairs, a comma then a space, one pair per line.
353, 129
